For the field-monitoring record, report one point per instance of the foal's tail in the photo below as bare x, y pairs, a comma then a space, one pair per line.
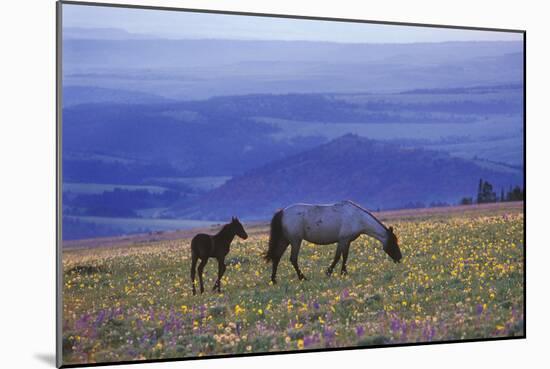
275, 235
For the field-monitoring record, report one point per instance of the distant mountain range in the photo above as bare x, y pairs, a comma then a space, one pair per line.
373, 173
197, 69
156, 52
75, 95
80, 33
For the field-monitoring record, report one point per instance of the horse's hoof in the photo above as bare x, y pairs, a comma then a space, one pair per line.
344, 272
274, 281
303, 278
328, 272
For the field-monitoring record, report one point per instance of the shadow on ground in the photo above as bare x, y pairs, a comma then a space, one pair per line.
46, 358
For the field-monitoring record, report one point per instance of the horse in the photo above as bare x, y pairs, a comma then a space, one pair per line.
204, 246
338, 223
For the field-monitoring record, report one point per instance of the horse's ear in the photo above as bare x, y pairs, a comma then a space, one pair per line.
391, 229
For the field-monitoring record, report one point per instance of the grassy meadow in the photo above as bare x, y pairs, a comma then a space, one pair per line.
461, 278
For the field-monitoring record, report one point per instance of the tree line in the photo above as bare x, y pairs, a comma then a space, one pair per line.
486, 194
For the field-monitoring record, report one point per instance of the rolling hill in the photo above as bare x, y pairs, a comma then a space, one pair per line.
74, 95
373, 173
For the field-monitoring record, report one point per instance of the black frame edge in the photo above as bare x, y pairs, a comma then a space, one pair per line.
289, 16
293, 352
58, 185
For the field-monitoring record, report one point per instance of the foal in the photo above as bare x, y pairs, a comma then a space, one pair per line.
204, 246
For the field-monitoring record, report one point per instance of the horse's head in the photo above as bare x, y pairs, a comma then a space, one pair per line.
238, 228
391, 247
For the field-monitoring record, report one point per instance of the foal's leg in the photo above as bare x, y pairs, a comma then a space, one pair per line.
336, 258
295, 250
194, 259
345, 251
200, 269
221, 270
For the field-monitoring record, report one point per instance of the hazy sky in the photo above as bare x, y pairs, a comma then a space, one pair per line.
174, 24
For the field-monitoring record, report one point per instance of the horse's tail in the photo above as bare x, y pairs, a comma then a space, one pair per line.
275, 235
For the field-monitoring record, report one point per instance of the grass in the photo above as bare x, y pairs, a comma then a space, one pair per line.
461, 278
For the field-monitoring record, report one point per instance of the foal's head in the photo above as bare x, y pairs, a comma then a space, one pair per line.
238, 228
391, 247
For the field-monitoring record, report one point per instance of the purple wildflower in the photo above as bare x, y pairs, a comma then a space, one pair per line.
345, 293
100, 318
428, 333
329, 334
395, 325
479, 309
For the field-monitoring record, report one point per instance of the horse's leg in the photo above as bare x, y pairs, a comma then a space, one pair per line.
295, 250
221, 275
200, 269
221, 270
336, 258
275, 260
194, 258
345, 251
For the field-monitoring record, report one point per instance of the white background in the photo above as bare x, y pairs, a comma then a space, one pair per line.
27, 167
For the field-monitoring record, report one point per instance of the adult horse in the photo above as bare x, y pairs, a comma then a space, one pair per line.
204, 246
338, 223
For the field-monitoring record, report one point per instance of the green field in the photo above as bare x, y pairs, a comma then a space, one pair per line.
461, 278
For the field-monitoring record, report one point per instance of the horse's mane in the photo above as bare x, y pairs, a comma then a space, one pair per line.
224, 229
366, 211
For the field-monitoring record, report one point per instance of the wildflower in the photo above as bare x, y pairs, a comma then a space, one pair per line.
239, 310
